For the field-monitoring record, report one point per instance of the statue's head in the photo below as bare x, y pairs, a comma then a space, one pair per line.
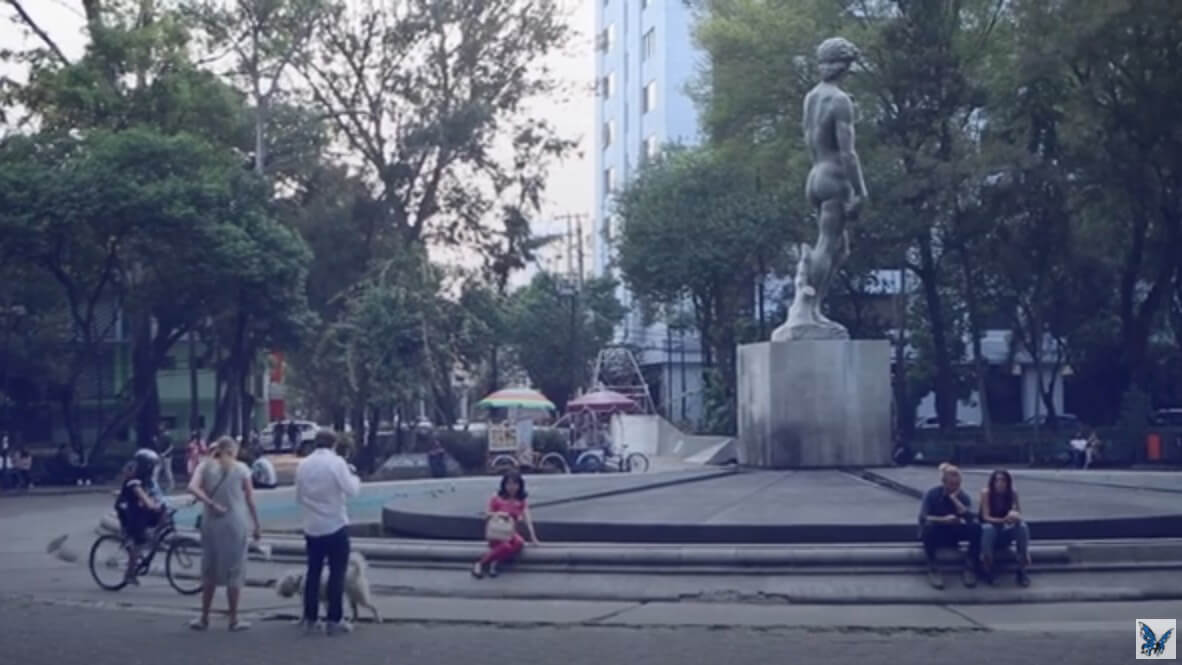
835, 55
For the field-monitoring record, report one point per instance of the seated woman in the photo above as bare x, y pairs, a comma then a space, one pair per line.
1001, 524
507, 504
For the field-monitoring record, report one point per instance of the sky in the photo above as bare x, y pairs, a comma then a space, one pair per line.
570, 187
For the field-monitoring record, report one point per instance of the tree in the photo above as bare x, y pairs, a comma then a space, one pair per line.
265, 37
559, 327
696, 227
160, 225
422, 92
1113, 66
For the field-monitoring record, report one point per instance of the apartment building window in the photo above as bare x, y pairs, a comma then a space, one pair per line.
649, 149
649, 97
609, 130
607, 86
609, 181
648, 44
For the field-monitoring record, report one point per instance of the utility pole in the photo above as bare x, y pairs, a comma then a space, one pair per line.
575, 281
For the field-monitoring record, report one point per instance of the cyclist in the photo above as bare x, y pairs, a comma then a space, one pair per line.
137, 508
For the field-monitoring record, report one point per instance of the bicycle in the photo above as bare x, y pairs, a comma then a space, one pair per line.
598, 460
182, 559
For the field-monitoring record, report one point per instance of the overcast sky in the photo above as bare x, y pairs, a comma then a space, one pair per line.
570, 188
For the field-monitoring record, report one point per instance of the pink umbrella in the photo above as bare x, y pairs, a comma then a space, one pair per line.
603, 400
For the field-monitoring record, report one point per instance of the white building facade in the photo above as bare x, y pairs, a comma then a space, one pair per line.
645, 59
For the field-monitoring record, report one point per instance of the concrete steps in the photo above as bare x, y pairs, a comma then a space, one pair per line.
576, 557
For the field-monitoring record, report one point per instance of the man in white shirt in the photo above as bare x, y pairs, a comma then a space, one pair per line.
323, 484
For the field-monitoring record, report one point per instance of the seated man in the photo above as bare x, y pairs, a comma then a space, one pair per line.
946, 519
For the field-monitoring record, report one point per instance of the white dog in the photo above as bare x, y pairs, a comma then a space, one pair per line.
356, 585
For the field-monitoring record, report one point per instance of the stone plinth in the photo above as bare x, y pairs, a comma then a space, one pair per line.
814, 403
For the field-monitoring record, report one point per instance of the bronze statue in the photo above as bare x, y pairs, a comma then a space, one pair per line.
835, 188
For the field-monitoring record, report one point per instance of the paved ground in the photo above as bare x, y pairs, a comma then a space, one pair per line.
40, 634
57, 615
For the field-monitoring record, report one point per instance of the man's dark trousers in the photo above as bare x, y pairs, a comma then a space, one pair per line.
335, 549
949, 536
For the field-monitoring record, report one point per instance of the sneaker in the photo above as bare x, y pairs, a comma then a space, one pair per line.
339, 628
492, 569
239, 626
478, 570
935, 579
1023, 579
199, 624
969, 578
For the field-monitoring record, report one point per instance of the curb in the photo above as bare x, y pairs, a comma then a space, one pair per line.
925, 597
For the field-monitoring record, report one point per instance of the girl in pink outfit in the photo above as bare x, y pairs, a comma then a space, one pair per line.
510, 501
195, 451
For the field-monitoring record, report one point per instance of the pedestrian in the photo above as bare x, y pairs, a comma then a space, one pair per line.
507, 509
222, 484
165, 449
324, 481
1002, 524
136, 508
23, 466
194, 452
945, 519
1092, 450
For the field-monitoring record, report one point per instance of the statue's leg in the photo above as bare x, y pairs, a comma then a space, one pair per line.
832, 246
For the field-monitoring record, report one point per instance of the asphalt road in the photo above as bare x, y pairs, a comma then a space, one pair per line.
34, 633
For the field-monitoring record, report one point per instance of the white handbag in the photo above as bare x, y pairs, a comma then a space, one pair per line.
500, 528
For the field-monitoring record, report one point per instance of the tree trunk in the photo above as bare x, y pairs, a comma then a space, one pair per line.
143, 379
194, 398
493, 369
367, 460
70, 419
979, 362
945, 387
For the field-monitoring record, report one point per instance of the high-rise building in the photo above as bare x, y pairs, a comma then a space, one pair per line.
645, 59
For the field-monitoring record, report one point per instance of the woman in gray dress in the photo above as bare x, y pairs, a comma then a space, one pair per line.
222, 483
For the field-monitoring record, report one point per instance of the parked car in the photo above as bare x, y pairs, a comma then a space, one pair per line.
308, 430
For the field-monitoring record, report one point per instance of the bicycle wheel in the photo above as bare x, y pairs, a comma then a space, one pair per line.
182, 565
553, 463
636, 463
503, 463
109, 557
589, 462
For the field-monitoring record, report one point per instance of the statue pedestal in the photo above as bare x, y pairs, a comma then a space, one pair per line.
814, 403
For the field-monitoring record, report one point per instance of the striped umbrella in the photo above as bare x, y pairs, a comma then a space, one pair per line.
603, 400
521, 398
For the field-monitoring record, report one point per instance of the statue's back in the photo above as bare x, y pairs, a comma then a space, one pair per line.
819, 133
